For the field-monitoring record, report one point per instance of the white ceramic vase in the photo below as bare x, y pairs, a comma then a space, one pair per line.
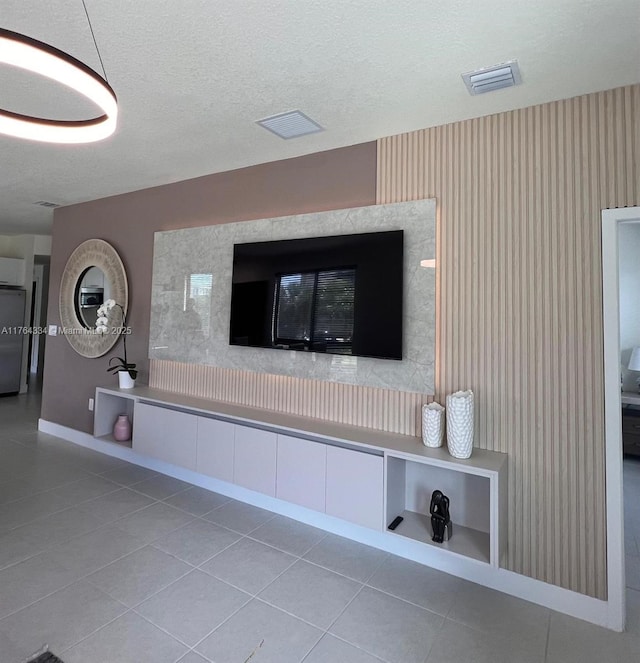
432, 425
125, 380
460, 424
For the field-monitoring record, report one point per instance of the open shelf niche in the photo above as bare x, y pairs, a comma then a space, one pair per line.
474, 492
108, 407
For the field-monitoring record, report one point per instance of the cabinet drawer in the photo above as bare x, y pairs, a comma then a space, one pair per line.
165, 434
355, 487
215, 448
254, 463
301, 472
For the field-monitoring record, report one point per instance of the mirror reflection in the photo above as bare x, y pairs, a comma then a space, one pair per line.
92, 289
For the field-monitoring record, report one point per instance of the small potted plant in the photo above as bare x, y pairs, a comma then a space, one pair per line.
127, 372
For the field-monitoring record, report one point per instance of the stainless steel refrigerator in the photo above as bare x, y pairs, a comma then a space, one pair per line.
11, 337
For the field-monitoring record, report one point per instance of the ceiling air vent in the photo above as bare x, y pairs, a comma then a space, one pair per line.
46, 203
290, 125
502, 75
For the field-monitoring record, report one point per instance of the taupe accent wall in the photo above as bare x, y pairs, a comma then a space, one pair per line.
334, 179
520, 311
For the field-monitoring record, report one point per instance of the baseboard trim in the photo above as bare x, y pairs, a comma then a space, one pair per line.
550, 596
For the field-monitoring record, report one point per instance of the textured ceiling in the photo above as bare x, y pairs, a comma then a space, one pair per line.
192, 77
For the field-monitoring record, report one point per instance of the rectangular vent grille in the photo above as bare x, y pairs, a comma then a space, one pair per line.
492, 78
45, 203
290, 125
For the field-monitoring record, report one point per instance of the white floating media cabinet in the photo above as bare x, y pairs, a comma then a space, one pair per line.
357, 475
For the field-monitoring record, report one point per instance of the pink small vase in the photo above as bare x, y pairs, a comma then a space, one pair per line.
122, 429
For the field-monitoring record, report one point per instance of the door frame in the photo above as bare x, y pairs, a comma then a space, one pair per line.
611, 220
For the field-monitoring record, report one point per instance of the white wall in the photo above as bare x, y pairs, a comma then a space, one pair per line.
629, 252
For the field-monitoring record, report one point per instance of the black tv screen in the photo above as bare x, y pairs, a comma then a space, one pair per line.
339, 295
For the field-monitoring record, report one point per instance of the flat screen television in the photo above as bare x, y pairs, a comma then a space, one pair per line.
340, 294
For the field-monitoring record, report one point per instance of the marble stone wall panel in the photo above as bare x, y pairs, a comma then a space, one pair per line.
177, 336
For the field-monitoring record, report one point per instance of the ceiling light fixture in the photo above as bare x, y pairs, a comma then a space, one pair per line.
35, 56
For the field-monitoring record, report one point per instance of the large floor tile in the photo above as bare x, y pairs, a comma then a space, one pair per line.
275, 636
85, 489
312, 593
51, 531
15, 489
97, 463
197, 541
60, 620
575, 641
90, 552
332, 650
113, 506
197, 501
129, 474
239, 517
137, 576
13, 549
153, 521
46, 474
349, 558
501, 615
161, 486
387, 627
128, 639
417, 583
457, 643
24, 511
288, 535
249, 565
31, 580
192, 657
193, 606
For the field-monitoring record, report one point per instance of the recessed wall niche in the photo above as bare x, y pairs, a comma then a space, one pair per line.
191, 296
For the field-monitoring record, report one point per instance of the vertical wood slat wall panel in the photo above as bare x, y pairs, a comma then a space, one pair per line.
370, 407
519, 300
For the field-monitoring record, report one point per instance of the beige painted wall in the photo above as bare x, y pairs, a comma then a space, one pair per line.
520, 311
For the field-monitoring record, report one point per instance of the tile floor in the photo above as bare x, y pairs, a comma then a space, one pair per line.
108, 562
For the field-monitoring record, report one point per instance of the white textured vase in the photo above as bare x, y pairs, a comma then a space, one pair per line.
432, 424
460, 424
125, 381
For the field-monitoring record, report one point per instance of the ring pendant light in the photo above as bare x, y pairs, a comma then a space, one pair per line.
35, 56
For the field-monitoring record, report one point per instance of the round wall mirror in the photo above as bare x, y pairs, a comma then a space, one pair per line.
94, 273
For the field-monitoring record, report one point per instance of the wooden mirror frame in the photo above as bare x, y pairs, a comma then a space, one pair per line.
92, 253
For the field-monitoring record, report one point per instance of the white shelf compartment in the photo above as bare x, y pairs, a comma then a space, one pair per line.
476, 490
108, 407
464, 540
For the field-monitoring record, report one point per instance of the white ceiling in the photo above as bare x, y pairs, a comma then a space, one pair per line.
193, 76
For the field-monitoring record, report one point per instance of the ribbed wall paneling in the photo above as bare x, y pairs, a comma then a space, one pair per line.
519, 300
370, 407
